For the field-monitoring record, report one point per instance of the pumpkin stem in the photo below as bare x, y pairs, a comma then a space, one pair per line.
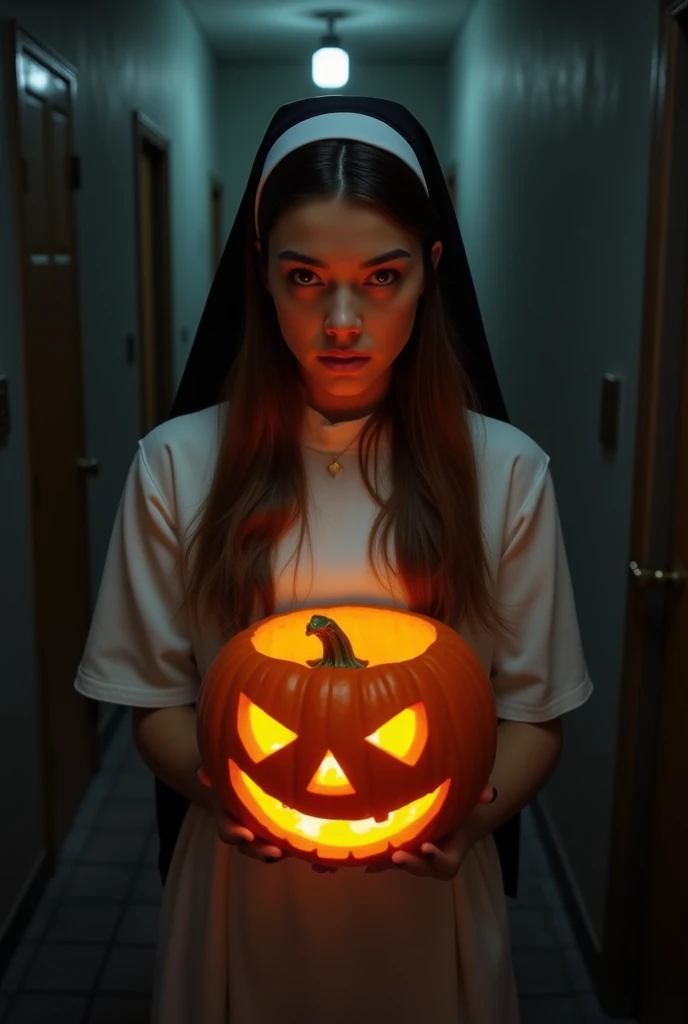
337, 649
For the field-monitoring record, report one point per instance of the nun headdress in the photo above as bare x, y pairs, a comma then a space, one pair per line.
390, 126
377, 122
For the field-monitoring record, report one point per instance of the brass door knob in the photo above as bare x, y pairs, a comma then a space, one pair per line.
645, 577
89, 467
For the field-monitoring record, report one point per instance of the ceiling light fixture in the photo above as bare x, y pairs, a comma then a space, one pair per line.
330, 63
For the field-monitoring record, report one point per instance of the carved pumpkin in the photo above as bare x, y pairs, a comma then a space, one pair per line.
342, 759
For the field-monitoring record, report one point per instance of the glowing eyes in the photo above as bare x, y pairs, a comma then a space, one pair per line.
403, 736
260, 733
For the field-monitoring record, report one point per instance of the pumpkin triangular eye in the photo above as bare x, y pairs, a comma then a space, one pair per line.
260, 733
403, 736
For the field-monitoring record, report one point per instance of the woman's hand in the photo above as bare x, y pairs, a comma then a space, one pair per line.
323, 869
233, 833
436, 860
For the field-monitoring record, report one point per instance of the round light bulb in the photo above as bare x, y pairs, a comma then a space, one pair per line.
330, 67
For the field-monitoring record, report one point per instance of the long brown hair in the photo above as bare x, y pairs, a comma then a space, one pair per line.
259, 489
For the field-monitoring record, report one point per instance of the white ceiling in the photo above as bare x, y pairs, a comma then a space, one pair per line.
287, 31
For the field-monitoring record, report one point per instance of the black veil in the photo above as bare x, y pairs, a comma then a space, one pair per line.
219, 332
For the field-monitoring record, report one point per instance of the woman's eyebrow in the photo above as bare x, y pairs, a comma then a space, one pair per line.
385, 257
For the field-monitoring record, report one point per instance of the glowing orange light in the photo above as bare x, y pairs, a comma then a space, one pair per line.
332, 837
403, 736
329, 778
316, 690
260, 733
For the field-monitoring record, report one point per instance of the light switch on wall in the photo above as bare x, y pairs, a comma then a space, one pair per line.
5, 425
609, 412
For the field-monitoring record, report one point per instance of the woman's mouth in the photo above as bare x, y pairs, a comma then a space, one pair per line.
343, 364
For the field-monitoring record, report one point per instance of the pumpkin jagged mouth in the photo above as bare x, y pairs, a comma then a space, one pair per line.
336, 838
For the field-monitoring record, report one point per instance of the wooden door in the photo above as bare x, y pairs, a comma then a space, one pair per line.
51, 343
645, 942
155, 315
663, 989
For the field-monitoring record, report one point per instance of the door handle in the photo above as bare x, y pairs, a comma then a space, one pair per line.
89, 467
646, 577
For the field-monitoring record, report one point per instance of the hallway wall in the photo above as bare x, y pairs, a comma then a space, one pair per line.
128, 55
549, 123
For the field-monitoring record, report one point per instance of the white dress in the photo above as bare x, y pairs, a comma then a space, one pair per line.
249, 943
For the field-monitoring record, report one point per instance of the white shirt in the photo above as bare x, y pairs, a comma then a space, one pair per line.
143, 652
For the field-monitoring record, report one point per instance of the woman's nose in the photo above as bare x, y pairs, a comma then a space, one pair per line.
343, 319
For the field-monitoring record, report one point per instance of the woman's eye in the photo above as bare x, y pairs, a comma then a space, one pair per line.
301, 283
304, 278
395, 275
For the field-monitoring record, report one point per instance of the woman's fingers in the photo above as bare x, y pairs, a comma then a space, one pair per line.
232, 832
236, 834
246, 843
259, 851
255, 848
488, 795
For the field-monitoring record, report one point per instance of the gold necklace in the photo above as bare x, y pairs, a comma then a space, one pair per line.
335, 465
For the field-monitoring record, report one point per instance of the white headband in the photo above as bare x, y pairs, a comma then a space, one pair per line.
338, 125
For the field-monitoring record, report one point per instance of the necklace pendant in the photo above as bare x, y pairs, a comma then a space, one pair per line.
334, 467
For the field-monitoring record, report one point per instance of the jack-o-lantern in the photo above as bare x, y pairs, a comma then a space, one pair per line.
341, 759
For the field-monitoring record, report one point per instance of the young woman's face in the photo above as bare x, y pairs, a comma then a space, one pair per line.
344, 278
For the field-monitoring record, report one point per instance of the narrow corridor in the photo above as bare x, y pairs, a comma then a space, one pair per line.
87, 956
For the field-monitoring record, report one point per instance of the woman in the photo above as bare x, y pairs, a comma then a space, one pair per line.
345, 246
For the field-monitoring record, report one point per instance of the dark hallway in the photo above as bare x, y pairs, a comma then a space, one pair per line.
128, 134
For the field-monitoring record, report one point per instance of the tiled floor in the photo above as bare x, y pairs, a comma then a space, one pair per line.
87, 956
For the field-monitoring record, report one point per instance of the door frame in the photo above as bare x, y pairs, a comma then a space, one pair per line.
19, 39
146, 132
622, 952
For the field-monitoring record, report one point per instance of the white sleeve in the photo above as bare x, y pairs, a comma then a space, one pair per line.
540, 672
139, 650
